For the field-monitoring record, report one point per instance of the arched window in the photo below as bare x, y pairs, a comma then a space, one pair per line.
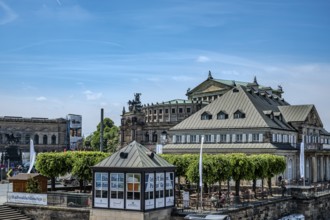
27, 139
44, 139
154, 137
53, 139
146, 137
36, 139
163, 137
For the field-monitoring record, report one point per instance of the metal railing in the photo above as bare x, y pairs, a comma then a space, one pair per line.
69, 200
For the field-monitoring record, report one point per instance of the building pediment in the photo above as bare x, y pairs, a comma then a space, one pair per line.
209, 86
313, 118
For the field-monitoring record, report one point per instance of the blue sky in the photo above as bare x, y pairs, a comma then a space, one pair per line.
76, 56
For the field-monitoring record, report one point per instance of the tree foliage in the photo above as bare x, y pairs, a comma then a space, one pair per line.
53, 164
241, 169
82, 163
110, 137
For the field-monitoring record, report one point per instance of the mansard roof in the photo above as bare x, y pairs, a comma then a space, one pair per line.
242, 98
134, 156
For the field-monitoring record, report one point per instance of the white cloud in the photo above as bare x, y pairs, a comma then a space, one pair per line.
202, 59
7, 14
92, 95
41, 98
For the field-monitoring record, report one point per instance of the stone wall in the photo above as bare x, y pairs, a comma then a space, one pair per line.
51, 212
316, 207
103, 214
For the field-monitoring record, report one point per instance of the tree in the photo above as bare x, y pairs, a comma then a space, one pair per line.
53, 164
110, 136
277, 165
208, 171
222, 170
82, 163
261, 166
241, 169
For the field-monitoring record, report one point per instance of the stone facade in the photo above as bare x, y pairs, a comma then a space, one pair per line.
47, 134
103, 214
149, 124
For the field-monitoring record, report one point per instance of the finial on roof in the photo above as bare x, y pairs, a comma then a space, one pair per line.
124, 111
210, 75
255, 80
280, 88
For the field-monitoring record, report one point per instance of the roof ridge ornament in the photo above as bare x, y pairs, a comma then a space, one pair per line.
210, 75
255, 80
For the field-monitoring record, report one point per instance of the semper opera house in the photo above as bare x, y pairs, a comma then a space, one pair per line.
233, 116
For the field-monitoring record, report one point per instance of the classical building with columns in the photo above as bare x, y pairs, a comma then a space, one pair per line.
253, 120
149, 124
47, 134
233, 116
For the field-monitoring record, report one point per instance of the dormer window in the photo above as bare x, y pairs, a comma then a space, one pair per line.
222, 115
238, 114
278, 115
206, 116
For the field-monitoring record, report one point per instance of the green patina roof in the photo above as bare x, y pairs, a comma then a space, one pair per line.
137, 157
178, 101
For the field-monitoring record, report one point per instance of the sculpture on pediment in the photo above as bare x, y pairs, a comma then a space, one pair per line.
135, 104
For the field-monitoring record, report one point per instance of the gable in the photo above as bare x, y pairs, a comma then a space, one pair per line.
209, 86
313, 118
213, 88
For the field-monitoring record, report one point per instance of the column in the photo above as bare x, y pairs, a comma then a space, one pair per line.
314, 169
322, 169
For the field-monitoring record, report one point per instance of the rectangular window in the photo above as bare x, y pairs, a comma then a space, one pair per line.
166, 111
117, 190
169, 191
255, 137
149, 191
160, 190
180, 110
101, 190
193, 139
133, 193
239, 137
223, 137
188, 110
155, 111
160, 111
178, 138
207, 138
173, 110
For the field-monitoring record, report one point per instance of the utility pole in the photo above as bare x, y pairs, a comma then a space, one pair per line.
101, 131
